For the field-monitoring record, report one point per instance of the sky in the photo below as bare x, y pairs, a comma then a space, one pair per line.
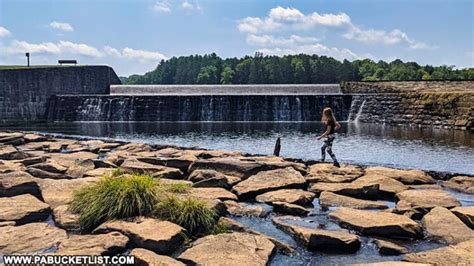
133, 36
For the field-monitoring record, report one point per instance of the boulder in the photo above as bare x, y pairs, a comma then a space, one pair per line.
8, 152
288, 208
361, 191
17, 183
34, 138
441, 224
50, 166
293, 196
65, 219
13, 138
69, 159
244, 209
407, 209
207, 154
99, 172
171, 157
144, 257
424, 200
389, 248
10, 166
135, 147
425, 186
80, 167
459, 254
377, 223
388, 187
135, 166
339, 241
274, 162
31, 160
328, 173
230, 249
329, 199
99, 163
96, 145
93, 245
463, 184
30, 238
159, 236
266, 181
212, 178
23, 209
212, 193
466, 214
408, 177
45, 174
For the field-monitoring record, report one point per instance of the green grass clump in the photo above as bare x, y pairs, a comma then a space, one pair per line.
115, 198
219, 228
192, 214
178, 188
117, 172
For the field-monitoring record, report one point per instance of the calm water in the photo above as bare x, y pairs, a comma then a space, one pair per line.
425, 148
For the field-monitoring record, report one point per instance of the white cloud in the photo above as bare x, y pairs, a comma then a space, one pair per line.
317, 48
191, 6
61, 47
134, 54
4, 32
61, 26
162, 7
112, 51
269, 40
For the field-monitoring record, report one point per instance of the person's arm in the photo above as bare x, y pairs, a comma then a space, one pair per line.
338, 126
325, 133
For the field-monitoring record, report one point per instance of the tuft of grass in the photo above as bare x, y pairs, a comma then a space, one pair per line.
117, 172
192, 214
219, 228
178, 188
115, 198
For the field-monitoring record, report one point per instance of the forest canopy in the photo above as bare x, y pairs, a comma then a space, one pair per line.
289, 69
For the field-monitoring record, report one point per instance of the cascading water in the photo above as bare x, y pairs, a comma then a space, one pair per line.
359, 113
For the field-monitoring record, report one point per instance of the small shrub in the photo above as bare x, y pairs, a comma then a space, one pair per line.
190, 213
219, 228
116, 172
115, 198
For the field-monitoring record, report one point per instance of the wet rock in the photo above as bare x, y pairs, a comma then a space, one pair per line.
459, 254
388, 187
212, 178
8, 152
30, 238
212, 193
389, 248
318, 239
230, 249
69, 159
329, 199
288, 208
45, 174
244, 209
144, 257
463, 184
159, 236
34, 138
50, 166
268, 181
65, 219
408, 177
328, 173
93, 245
17, 183
361, 191
443, 225
293, 196
135, 166
466, 214
23, 209
421, 201
80, 167
377, 223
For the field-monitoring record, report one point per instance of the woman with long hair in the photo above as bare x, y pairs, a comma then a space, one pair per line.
331, 125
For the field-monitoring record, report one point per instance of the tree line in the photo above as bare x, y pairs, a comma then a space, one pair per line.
289, 69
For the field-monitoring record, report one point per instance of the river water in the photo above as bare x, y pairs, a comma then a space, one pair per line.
367, 144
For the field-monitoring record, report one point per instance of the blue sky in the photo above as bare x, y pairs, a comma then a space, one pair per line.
133, 36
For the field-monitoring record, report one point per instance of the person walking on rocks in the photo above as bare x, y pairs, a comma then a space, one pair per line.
331, 125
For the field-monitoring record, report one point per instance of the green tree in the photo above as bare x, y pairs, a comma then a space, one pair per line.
227, 75
207, 75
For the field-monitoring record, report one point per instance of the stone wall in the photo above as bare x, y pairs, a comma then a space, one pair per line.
25, 93
354, 87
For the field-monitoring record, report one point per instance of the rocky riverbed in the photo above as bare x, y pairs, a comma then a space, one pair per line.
276, 211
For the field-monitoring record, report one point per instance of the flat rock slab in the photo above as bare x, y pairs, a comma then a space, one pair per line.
23, 209
17, 183
388, 187
65, 219
8, 152
244, 209
389, 248
463, 184
361, 191
93, 245
466, 214
135, 166
408, 177
69, 159
288, 208
230, 249
377, 223
293, 196
329, 199
212, 178
144, 257
339, 241
268, 181
328, 173
7, 166
159, 236
80, 167
30, 238
39, 173
442, 224
428, 198
459, 254
212, 193
50, 166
